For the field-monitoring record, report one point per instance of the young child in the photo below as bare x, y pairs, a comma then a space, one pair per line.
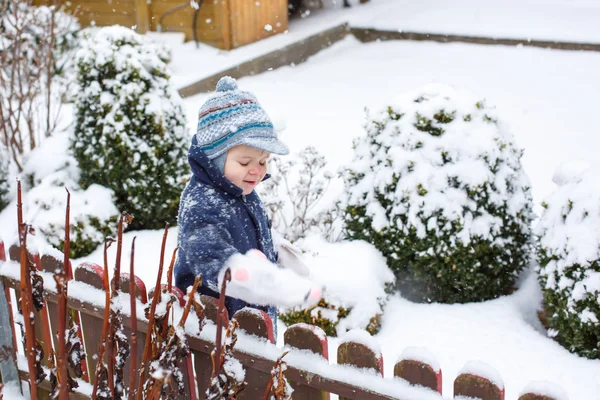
220, 214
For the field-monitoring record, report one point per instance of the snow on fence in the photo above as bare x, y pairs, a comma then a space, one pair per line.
357, 375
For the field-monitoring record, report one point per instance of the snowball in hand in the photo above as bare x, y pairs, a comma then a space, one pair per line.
256, 280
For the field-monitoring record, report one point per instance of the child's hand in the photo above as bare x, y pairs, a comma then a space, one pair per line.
290, 256
256, 280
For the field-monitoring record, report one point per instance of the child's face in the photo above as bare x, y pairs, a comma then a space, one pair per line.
245, 167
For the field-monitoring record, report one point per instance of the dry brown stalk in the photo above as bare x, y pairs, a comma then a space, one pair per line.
117, 340
102, 377
132, 298
277, 374
27, 310
221, 320
172, 352
62, 293
151, 320
170, 271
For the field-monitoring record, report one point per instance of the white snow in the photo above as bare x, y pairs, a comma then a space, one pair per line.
545, 388
549, 99
341, 269
483, 370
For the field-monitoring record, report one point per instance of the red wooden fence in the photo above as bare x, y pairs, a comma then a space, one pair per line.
312, 377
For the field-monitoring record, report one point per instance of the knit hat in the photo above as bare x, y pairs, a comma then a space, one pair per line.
233, 117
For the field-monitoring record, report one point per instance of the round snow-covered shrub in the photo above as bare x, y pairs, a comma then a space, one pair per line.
569, 260
93, 215
130, 131
355, 277
437, 186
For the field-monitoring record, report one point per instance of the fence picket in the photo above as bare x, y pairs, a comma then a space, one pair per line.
359, 355
259, 324
307, 337
419, 367
470, 385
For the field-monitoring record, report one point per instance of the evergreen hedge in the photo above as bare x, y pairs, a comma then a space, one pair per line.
437, 186
569, 262
130, 131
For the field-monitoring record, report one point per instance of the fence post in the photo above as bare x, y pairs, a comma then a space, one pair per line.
358, 349
259, 324
307, 337
8, 367
419, 367
479, 380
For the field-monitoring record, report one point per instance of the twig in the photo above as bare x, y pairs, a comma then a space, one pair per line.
62, 293
26, 308
170, 271
106, 322
132, 298
151, 317
220, 322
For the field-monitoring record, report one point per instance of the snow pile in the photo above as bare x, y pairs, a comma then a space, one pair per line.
569, 255
355, 277
437, 185
130, 134
93, 214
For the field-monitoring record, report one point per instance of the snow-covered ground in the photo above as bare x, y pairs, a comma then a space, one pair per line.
548, 97
555, 20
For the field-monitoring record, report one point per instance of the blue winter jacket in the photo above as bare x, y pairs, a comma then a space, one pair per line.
216, 221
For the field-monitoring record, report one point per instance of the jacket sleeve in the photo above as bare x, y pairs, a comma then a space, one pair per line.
205, 246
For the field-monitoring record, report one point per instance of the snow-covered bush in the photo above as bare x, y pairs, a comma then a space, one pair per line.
437, 186
569, 257
294, 193
93, 215
355, 277
130, 131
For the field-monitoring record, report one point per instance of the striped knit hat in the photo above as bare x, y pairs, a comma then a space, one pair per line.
233, 117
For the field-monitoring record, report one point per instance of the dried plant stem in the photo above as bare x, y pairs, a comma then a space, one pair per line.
132, 298
221, 320
106, 322
62, 293
27, 309
170, 271
151, 321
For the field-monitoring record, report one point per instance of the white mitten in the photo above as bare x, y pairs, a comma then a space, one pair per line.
256, 280
290, 256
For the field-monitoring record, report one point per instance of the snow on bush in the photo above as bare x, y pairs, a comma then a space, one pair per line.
569, 259
130, 131
437, 186
93, 215
293, 196
355, 277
